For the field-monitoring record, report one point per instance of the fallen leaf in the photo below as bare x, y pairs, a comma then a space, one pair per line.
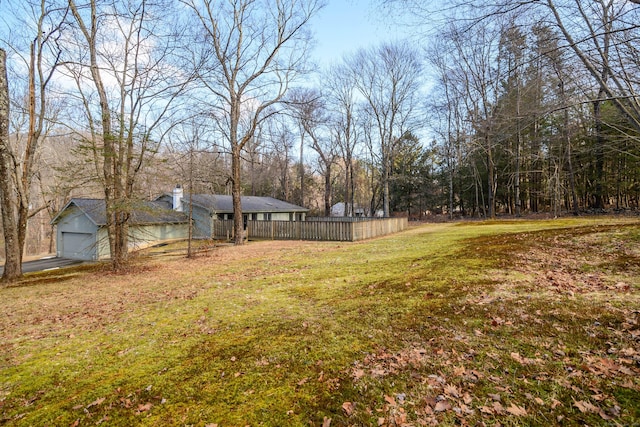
555, 403
486, 410
465, 409
604, 416
348, 408
144, 408
495, 397
452, 391
390, 400
517, 358
459, 371
586, 407
467, 399
516, 410
96, 402
430, 401
442, 406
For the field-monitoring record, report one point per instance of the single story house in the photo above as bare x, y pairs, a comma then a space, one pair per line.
209, 208
82, 232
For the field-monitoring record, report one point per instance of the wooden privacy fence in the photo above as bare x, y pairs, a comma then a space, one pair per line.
346, 230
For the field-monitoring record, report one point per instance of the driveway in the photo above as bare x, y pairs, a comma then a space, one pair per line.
48, 263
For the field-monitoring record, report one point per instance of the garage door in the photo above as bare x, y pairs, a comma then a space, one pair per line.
78, 246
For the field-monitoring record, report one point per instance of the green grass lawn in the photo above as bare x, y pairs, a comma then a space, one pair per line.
484, 323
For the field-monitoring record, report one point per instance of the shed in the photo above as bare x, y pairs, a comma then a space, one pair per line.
82, 234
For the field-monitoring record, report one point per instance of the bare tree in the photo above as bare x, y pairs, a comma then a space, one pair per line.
388, 79
252, 50
13, 258
281, 138
603, 35
342, 103
310, 112
447, 107
599, 39
124, 54
39, 58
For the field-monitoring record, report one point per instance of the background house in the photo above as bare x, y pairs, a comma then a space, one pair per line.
340, 210
82, 234
208, 208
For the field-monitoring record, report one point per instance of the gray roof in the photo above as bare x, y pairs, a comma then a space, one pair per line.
250, 204
142, 213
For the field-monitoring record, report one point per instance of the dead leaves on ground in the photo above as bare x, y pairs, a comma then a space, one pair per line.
435, 397
139, 403
469, 395
526, 355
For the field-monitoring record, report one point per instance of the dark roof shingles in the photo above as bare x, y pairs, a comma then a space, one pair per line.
250, 204
142, 213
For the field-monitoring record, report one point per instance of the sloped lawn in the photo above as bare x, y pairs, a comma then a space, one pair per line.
489, 323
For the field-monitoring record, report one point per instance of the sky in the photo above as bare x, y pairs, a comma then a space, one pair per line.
344, 26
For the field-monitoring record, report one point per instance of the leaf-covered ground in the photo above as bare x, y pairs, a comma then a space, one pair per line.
490, 323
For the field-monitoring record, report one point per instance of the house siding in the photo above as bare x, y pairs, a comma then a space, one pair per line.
142, 236
104, 251
280, 216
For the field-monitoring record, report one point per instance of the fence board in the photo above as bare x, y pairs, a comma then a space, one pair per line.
347, 230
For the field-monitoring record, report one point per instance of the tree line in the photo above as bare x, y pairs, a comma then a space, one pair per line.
530, 107
536, 105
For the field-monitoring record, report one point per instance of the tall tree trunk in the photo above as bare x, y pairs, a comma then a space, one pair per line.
236, 194
598, 190
518, 145
327, 189
386, 174
451, 175
572, 179
13, 250
301, 167
491, 212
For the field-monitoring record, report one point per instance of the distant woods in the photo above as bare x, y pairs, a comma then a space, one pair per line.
535, 105
494, 109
